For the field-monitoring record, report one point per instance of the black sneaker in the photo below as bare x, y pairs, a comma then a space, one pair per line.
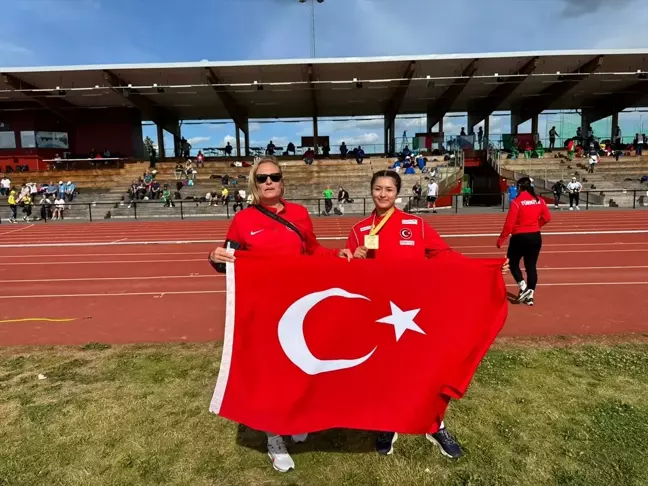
385, 442
524, 295
447, 444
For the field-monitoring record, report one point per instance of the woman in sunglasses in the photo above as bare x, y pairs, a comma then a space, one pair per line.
274, 226
389, 233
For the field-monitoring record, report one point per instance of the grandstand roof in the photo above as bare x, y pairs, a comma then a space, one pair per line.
341, 87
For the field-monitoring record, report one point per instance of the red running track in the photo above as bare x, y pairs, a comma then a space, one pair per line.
124, 282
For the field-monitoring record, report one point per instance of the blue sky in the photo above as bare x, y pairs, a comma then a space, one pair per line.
65, 32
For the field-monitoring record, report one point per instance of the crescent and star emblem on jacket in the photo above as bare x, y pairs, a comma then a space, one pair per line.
293, 342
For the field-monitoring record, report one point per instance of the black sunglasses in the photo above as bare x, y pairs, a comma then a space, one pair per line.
261, 178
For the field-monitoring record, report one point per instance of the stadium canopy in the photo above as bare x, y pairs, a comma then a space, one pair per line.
524, 82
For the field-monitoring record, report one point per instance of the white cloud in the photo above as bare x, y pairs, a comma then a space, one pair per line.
198, 140
230, 139
11, 48
254, 126
364, 139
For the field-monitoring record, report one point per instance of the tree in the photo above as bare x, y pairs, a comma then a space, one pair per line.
148, 144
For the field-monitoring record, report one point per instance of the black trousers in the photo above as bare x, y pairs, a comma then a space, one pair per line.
574, 199
525, 246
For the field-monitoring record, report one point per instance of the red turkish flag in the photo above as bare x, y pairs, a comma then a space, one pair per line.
320, 343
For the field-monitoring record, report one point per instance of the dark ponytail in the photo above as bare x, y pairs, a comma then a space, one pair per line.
526, 184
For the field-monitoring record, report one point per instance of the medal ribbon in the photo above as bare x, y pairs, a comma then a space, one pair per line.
375, 229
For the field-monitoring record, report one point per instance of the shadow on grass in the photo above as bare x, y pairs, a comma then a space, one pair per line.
334, 440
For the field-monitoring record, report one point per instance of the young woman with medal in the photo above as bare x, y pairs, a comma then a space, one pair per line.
390, 233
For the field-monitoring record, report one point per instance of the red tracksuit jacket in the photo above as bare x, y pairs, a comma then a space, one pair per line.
257, 232
403, 236
525, 215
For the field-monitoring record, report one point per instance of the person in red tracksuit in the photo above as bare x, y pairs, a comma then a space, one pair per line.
256, 229
527, 214
390, 233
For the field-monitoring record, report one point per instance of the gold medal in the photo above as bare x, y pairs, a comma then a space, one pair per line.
371, 242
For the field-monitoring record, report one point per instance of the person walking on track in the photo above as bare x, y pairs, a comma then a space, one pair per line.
527, 214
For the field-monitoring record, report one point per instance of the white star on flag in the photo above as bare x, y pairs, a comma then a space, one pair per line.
402, 321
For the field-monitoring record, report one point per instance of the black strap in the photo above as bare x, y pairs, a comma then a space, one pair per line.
281, 220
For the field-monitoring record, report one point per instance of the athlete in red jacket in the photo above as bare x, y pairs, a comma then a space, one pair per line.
527, 214
391, 233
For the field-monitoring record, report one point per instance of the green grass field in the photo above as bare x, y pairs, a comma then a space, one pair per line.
537, 412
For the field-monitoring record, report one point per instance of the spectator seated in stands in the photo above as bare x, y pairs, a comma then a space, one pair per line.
539, 150
406, 151
410, 169
155, 191
309, 156
62, 189
344, 150
421, 161
178, 171
190, 172
5, 186
270, 148
570, 145
528, 150
228, 149
70, 191
166, 197
200, 159
51, 190
291, 148
326, 151
359, 154
396, 166
59, 208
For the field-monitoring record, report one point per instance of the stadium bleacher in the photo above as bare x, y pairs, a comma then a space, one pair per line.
103, 192
613, 183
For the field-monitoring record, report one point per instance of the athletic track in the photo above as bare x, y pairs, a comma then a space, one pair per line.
124, 282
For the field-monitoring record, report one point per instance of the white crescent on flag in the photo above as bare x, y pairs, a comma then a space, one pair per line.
293, 342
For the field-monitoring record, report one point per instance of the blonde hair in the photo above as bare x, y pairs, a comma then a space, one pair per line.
252, 184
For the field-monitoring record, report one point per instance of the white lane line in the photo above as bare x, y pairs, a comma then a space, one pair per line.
122, 294
187, 253
16, 230
109, 279
204, 292
326, 238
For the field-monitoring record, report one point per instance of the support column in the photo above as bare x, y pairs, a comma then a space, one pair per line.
160, 143
486, 131
238, 141
246, 138
615, 123
515, 122
535, 125
386, 136
473, 120
176, 146
315, 134
390, 134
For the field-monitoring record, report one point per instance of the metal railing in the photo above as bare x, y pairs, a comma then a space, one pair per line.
188, 209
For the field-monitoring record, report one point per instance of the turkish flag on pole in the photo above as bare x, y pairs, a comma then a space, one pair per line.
319, 343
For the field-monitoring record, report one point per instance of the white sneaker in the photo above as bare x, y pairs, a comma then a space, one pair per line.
578, 208
278, 454
299, 438
571, 208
